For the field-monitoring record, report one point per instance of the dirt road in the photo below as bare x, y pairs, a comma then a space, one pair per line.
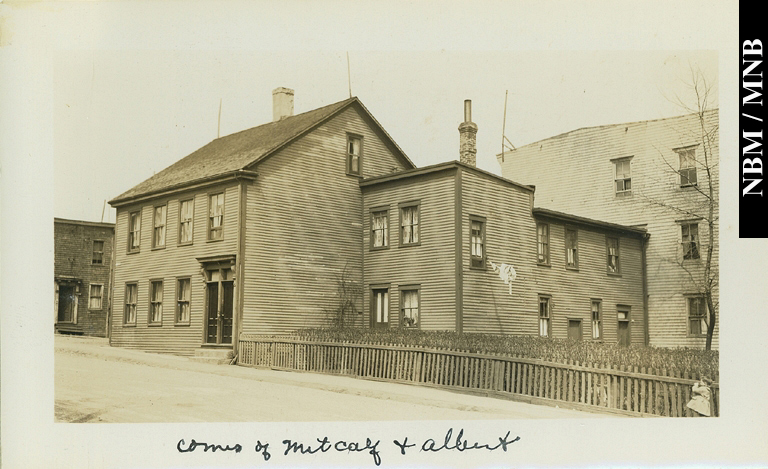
98, 383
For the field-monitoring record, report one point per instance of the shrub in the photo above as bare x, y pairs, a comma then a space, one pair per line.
695, 362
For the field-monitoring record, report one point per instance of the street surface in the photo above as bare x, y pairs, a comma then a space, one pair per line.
98, 383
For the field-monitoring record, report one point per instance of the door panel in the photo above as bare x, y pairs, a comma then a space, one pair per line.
623, 333
212, 329
226, 312
574, 329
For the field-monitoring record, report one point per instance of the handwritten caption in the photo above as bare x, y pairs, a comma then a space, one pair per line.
324, 445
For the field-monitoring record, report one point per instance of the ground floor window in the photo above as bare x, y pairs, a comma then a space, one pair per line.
182, 300
131, 296
156, 302
544, 316
409, 307
597, 323
96, 292
697, 310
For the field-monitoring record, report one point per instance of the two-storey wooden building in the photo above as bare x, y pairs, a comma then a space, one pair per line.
251, 234
654, 174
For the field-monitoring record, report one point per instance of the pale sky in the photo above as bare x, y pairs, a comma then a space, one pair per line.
120, 116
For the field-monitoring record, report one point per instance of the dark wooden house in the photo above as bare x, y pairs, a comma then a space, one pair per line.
254, 232
82, 276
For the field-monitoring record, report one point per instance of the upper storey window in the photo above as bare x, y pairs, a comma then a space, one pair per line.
354, 155
380, 229
687, 166
134, 231
216, 216
623, 176
158, 236
186, 214
409, 224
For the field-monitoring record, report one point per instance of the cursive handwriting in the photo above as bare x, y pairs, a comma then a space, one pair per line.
339, 446
459, 444
213, 448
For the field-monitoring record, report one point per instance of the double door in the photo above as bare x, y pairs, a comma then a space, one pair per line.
219, 305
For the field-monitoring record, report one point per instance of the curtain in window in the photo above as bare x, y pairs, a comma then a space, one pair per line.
183, 297
410, 223
543, 243
135, 230
544, 317
410, 308
613, 255
477, 239
379, 227
185, 218
130, 303
160, 214
157, 302
95, 297
595, 320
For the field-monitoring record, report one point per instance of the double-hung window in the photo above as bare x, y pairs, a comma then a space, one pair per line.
95, 293
156, 302
216, 216
687, 166
379, 229
98, 252
186, 215
571, 248
477, 255
134, 231
623, 177
545, 310
131, 297
697, 310
542, 241
158, 230
690, 240
409, 224
597, 320
409, 307
182, 300
612, 254
354, 155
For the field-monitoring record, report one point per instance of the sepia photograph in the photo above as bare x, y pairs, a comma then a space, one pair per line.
295, 245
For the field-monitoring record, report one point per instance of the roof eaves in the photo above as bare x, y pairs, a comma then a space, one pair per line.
566, 217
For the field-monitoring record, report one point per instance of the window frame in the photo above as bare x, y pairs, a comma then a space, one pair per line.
209, 217
599, 303
400, 227
548, 299
689, 317
571, 229
616, 162
373, 323
681, 152
178, 302
475, 262
179, 241
402, 290
617, 273
155, 227
373, 212
151, 302
547, 257
134, 235
696, 243
349, 155
94, 252
100, 297
134, 284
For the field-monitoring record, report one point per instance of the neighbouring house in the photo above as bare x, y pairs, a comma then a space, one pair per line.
252, 234
651, 174
82, 276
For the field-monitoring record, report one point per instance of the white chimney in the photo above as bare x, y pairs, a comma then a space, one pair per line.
282, 103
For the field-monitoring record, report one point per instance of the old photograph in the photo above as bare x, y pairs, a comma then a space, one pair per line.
467, 244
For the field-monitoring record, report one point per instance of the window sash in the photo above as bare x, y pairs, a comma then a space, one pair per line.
379, 229
216, 216
159, 229
185, 221
596, 320
544, 317
623, 176
613, 255
687, 167
353, 155
476, 242
98, 252
95, 296
571, 244
410, 308
697, 316
543, 243
182, 300
381, 306
156, 302
134, 233
409, 223
690, 240
131, 296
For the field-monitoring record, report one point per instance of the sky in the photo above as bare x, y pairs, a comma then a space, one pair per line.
121, 116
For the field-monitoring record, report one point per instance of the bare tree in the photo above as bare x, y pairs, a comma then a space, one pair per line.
343, 311
701, 200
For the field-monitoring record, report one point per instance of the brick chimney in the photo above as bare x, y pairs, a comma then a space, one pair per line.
467, 136
282, 103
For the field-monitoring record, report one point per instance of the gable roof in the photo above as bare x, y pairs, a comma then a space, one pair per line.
231, 154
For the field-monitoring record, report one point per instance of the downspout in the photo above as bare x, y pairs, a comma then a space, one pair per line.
644, 243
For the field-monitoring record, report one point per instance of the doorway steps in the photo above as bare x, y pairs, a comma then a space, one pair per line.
213, 355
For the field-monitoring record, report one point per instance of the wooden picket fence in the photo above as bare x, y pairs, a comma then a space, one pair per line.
637, 392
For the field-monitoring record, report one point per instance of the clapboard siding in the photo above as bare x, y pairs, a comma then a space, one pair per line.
430, 264
304, 226
573, 173
168, 264
511, 239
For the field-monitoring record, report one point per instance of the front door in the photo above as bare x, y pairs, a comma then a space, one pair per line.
66, 304
622, 329
219, 305
380, 307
